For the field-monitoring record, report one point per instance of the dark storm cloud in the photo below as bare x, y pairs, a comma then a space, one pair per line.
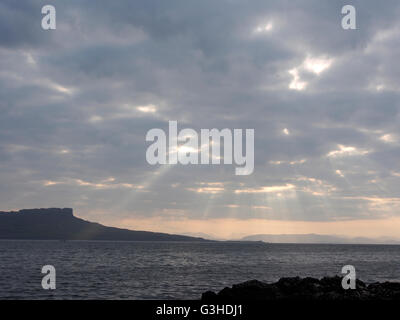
71, 133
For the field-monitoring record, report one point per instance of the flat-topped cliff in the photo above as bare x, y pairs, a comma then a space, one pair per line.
61, 224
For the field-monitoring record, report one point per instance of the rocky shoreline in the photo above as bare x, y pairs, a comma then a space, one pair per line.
296, 288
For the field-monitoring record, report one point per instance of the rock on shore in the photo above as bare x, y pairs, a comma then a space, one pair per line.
296, 288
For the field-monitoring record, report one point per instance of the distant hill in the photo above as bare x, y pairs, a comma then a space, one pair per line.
61, 224
317, 238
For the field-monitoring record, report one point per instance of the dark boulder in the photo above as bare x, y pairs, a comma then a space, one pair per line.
296, 288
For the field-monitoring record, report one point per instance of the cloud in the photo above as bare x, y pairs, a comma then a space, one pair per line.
77, 103
269, 189
343, 151
147, 109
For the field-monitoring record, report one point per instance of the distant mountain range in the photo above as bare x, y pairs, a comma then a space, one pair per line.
317, 238
61, 224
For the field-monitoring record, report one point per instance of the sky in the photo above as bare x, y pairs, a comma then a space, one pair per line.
76, 104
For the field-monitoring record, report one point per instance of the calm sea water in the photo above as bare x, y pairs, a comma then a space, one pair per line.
175, 270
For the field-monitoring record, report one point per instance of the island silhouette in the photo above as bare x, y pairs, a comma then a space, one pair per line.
61, 224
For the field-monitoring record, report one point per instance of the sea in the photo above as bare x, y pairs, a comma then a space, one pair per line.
176, 270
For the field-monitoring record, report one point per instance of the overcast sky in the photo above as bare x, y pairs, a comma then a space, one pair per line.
76, 104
